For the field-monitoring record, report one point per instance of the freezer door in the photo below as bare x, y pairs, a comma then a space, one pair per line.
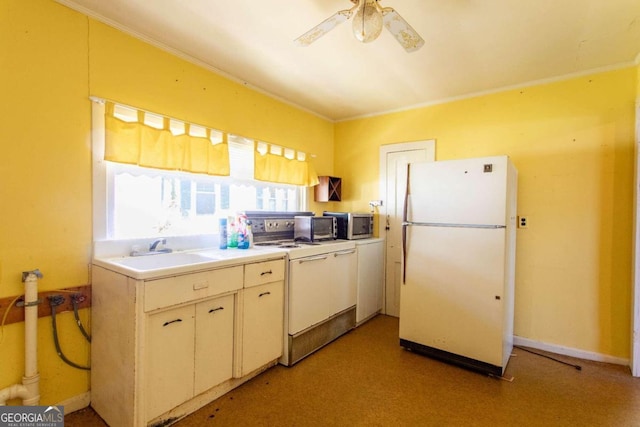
453, 299
469, 191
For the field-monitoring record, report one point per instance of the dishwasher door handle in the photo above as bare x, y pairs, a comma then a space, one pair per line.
347, 252
315, 258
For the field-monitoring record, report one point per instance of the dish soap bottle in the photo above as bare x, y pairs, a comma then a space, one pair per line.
222, 237
232, 234
249, 236
243, 238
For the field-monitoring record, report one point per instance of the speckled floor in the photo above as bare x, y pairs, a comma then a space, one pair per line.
366, 379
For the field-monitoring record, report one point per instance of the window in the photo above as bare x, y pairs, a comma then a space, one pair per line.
136, 202
149, 202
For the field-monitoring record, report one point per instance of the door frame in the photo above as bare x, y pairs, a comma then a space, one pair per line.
429, 145
635, 298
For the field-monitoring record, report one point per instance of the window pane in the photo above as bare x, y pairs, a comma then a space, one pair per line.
224, 196
149, 202
205, 198
185, 196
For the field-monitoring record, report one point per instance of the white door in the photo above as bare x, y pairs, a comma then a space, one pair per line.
393, 182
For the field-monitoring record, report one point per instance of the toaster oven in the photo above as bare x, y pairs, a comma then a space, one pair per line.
314, 228
352, 226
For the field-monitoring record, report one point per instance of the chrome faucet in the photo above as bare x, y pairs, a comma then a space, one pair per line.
153, 249
154, 245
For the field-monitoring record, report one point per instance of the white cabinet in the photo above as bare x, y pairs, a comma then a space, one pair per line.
370, 278
189, 350
213, 342
262, 321
262, 315
164, 347
182, 343
169, 359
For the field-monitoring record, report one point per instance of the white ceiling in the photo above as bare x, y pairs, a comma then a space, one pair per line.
472, 46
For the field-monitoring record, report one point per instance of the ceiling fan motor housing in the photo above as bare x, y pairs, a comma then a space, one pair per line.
367, 22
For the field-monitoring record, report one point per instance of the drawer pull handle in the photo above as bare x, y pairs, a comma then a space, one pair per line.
213, 310
263, 294
266, 272
200, 285
172, 321
349, 252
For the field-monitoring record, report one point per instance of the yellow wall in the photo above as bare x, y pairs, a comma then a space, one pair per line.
45, 164
572, 142
130, 71
51, 60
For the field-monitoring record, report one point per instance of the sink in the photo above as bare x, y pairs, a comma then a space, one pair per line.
168, 260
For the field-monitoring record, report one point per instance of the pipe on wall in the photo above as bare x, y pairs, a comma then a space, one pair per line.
29, 390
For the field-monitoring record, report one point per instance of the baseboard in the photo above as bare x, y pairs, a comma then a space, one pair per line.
76, 403
568, 351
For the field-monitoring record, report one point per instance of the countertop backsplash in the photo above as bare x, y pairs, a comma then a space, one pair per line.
115, 248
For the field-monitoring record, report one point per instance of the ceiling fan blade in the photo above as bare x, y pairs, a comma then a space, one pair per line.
324, 27
401, 30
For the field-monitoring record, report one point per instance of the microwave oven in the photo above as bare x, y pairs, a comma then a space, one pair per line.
352, 226
314, 228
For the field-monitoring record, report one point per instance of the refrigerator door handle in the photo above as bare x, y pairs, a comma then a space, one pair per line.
451, 225
404, 226
405, 204
404, 251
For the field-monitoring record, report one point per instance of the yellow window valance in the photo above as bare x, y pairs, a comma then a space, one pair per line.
136, 142
277, 167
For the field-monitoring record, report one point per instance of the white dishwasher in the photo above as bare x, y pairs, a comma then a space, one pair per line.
321, 298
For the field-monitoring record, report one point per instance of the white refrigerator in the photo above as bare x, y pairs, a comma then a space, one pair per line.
457, 292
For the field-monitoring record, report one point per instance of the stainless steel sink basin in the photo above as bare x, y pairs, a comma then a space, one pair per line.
158, 261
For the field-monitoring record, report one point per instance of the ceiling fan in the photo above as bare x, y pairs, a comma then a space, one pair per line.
367, 25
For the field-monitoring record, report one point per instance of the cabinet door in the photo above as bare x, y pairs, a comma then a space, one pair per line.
262, 326
169, 360
213, 342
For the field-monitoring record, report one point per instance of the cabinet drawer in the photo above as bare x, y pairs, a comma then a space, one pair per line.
175, 290
263, 272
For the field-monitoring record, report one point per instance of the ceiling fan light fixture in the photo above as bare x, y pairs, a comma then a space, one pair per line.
367, 22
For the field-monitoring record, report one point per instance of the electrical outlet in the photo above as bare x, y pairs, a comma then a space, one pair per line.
375, 203
523, 222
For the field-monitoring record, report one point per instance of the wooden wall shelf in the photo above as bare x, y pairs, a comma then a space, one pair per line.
44, 309
329, 189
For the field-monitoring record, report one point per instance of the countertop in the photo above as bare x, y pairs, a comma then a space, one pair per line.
206, 259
